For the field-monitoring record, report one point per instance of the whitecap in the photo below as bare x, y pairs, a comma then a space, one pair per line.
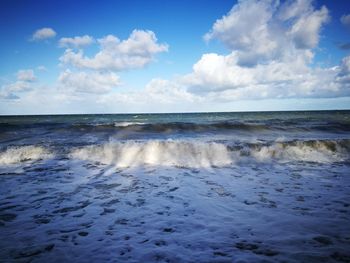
18, 154
163, 153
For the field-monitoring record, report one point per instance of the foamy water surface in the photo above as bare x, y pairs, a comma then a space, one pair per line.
219, 187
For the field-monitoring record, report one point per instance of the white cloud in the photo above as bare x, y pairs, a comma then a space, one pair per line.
246, 28
88, 82
43, 33
345, 20
305, 31
167, 92
271, 48
76, 42
221, 77
343, 76
18, 86
26, 75
11, 90
261, 31
292, 9
135, 52
159, 95
25, 79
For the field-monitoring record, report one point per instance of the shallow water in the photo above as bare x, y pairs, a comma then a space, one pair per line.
207, 189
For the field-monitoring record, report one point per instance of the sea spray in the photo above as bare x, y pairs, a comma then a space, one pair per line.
18, 154
319, 151
196, 154
154, 152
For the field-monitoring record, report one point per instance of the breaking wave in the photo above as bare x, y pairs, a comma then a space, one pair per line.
195, 154
18, 154
319, 151
127, 123
189, 153
165, 153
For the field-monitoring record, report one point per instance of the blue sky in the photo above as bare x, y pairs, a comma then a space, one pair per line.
173, 56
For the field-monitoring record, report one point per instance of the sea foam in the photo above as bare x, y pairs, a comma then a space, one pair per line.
164, 153
18, 154
127, 123
327, 151
196, 154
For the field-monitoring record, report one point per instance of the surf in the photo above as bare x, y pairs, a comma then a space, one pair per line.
19, 154
199, 154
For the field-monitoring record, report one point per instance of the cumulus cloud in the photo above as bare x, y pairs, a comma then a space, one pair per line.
43, 33
271, 46
88, 82
165, 91
271, 51
26, 75
343, 76
76, 42
135, 52
18, 86
11, 90
221, 77
159, 95
260, 31
96, 74
157, 91
345, 20
246, 29
305, 31
25, 79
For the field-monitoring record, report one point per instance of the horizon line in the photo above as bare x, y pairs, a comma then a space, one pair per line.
159, 113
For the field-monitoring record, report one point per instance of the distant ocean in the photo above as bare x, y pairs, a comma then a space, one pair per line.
185, 187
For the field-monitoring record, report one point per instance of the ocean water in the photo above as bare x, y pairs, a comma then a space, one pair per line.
200, 187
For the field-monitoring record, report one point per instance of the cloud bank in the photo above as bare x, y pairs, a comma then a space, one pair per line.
88, 82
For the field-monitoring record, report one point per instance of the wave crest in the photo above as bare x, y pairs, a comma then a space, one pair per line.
18, 154
191, 154
194, 154
318, 151
165, 153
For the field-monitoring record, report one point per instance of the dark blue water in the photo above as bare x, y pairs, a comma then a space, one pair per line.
262, 125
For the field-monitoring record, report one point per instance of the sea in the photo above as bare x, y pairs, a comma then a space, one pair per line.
179, 187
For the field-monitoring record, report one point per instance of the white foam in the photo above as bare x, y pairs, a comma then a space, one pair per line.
164, 153
318, 151
126, 124
17, 154
197, 154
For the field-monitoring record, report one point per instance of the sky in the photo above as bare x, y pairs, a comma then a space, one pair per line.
75, 57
